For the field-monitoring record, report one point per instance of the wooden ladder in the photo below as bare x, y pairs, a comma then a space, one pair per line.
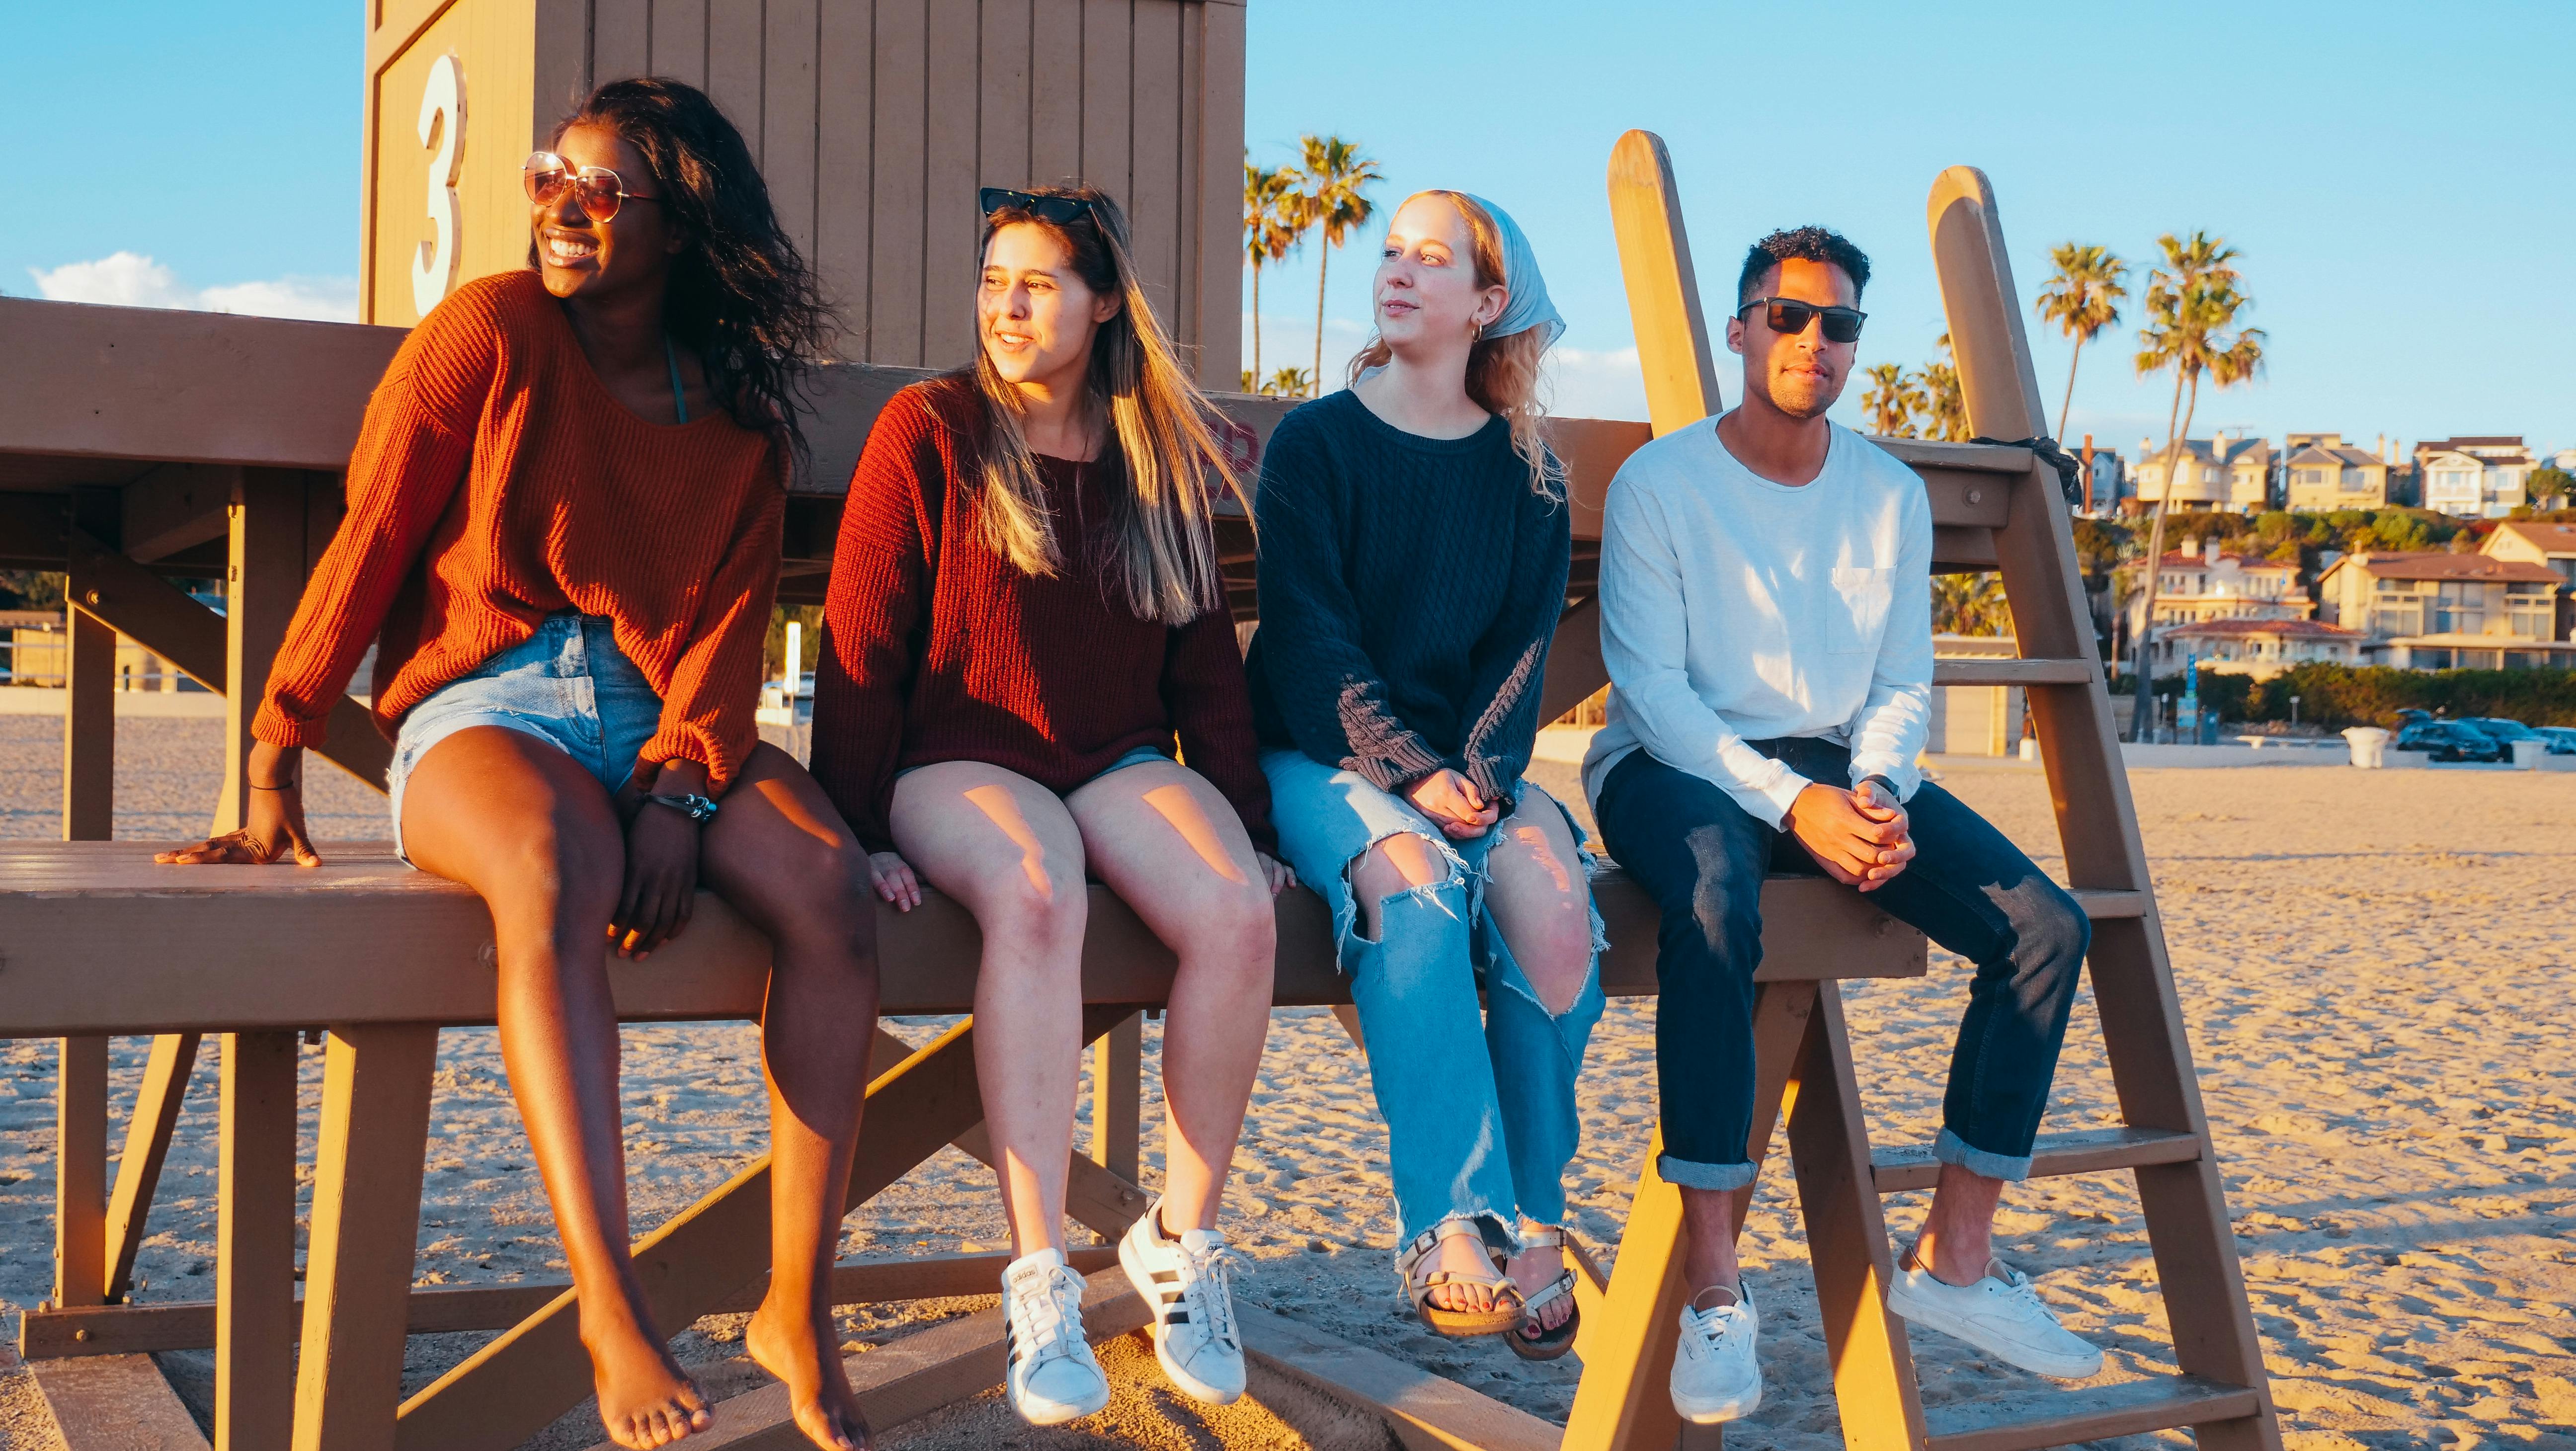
1805, 1056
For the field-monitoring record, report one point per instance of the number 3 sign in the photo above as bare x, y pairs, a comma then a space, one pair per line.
433, 263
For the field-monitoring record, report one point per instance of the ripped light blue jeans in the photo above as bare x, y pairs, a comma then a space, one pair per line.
1480, 1114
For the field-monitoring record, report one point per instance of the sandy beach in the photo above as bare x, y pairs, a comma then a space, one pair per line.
2376, 969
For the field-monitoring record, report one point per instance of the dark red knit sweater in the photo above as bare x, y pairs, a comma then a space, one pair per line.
938, 649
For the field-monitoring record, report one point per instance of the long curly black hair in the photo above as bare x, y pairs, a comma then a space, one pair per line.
741, 295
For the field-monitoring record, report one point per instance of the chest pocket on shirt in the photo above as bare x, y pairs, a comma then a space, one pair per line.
1856, 615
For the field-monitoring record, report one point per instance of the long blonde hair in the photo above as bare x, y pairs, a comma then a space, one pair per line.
1165, 549
1502, 373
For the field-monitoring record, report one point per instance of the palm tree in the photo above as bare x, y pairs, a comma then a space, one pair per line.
1945, 408
1289, 383
2189, 299
2082, 297
1970, 604
1894, 397
1335, 201
1269, 230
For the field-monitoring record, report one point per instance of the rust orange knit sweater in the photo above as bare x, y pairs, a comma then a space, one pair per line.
497, 481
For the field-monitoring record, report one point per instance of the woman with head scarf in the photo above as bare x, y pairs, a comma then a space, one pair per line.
1414, 546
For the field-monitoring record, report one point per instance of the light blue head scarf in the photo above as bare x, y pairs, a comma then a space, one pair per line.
1527, 307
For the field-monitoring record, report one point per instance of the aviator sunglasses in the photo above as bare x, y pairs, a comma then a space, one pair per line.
1842, 324
602, 192
1062, 211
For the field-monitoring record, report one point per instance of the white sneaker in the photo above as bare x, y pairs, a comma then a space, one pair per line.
2000, 1314
1715, 1375
1053, 1375
1187, 1283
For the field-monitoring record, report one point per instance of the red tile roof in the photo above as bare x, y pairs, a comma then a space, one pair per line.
2554, 538
2437, 565
2302, 629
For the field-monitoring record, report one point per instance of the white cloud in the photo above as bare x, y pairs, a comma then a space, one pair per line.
130, 279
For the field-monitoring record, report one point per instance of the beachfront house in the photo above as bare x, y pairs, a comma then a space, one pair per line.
2538, 542
2322, 473
2230, 475
2442, 611
2212, 584
2260, 648
2474, 476
1975, 720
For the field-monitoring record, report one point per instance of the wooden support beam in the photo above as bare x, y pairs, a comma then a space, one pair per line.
147, 1145
89, 730
115, 1403
1425, 1411
264, 580
80, 1171
1574, 665
919, 1373
1117, 1070
252, 1322
161, 617
1847, 1246
366, 1227
511, 1388
1663, 288
442, 1310
175, 507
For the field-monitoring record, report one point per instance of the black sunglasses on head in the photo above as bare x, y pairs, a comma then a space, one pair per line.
1063, 211
1842, 324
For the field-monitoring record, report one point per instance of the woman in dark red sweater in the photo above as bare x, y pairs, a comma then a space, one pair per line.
1025, 612
563, 535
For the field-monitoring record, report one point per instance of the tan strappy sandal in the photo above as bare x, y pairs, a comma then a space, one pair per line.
1508, 1311
1530, 1340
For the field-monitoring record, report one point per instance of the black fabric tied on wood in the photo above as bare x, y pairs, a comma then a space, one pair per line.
2069, 472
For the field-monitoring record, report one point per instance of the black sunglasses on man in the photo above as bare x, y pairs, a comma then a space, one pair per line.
1786, 315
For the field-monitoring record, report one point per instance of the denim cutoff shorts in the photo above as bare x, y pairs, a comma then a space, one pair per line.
568, 685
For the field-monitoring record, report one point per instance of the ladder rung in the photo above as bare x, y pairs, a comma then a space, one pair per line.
1973, 671
2086, 1151
2102, 904
2061, 1418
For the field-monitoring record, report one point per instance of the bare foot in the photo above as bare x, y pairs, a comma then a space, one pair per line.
1535, 1270
645, 1400
793, 1345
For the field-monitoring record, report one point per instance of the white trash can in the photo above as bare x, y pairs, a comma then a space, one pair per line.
2527, 753
2369, 747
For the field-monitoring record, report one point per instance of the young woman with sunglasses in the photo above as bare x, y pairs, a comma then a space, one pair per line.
1025, 612
1415, 544
563, 537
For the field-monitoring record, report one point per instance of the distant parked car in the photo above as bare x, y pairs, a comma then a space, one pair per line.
2505, 731
2450, 740
2562, 739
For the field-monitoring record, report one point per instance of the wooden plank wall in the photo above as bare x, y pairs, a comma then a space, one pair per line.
875, 122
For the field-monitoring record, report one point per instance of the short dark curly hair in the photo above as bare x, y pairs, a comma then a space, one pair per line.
1812, 244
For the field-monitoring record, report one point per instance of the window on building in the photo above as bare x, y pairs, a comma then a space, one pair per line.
2529, 610
2459, 608
2356, 481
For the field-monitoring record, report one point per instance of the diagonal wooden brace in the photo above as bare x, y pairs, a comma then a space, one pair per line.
147, 1145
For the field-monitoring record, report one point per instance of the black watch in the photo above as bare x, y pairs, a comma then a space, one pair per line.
1885, 785
693, 806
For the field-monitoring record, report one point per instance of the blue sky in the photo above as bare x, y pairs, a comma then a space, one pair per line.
2398, 177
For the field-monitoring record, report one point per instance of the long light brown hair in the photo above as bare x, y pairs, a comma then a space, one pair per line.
1165, 547
1502, 373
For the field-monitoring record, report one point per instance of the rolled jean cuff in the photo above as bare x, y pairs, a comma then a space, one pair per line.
1949, 1148
1692, 1175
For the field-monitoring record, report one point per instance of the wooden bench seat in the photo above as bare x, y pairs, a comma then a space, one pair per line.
96, 938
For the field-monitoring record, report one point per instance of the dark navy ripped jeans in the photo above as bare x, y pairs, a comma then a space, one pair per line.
1702, 858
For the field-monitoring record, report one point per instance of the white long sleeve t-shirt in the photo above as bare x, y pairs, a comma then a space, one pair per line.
1734, 609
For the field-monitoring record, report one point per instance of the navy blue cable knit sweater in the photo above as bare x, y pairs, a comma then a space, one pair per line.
1409, 589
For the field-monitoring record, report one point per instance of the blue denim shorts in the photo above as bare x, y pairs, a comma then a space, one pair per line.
568, 685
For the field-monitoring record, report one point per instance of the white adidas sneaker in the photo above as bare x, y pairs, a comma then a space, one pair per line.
1054, 1377
1716, 1377
2000, 1314
1188, 1283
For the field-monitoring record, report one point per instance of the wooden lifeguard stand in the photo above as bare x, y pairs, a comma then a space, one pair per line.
874, 122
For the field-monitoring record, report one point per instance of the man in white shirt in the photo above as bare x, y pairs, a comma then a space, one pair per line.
1766, 617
